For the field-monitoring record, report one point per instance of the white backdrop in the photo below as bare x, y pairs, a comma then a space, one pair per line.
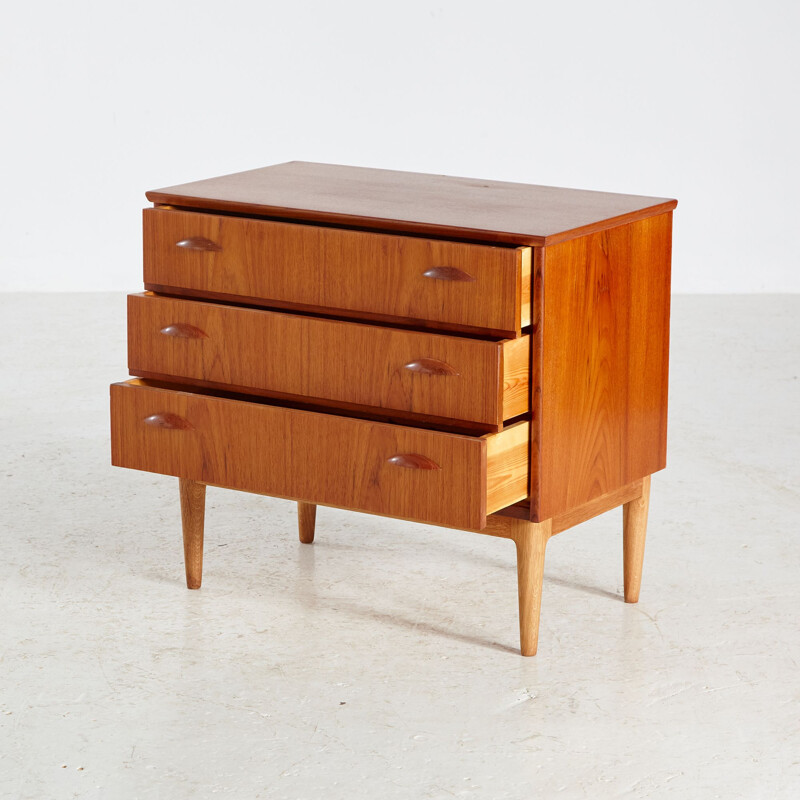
690, 99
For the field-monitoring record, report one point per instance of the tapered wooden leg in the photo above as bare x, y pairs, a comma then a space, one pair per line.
193, 510
306, 519
531, 541
634, 530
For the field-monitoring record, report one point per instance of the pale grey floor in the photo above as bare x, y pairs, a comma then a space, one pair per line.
381, 662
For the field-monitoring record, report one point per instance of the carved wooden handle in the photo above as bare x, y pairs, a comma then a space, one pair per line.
182, 330
198, 243
413, 461
170, 421
430, 366
447, 274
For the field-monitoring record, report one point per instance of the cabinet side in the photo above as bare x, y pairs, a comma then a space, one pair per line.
599, 393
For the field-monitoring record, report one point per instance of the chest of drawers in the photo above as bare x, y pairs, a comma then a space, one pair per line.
472, 354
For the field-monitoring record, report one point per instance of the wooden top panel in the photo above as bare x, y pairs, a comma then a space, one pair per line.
411, 202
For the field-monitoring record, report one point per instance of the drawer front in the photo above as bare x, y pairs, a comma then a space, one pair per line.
349, 363
351, 273
381, 468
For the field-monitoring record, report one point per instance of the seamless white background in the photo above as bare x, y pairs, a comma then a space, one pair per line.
101, 101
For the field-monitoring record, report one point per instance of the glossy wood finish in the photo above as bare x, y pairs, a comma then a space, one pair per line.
413, 461
180, 330
343, 272
287, 355
199, 243
435, 205
634, 531
600, 356
319, 458
168, 421
193, 510
586, 272
306, 521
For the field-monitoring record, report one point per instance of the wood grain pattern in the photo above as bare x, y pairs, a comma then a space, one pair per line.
193, 511
575, 516
606, 502
536, 379
306, 521
507, 465
435, 205
634, 532
525, 285
342, 271
329, 360
315, 458
515, 391
531, 540
600, 394
531, 545
585, 274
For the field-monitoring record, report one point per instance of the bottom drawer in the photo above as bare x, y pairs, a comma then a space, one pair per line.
382, 468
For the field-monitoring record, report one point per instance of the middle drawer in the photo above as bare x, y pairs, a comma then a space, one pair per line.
345, 364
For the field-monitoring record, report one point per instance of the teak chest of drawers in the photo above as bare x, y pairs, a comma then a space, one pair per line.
473, 354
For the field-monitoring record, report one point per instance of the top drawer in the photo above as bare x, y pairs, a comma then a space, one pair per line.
466, 287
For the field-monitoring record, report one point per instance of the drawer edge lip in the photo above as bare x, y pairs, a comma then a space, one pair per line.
177, 388
400, 227
339, 314
391, 227
657, 210
320, 313
321, 405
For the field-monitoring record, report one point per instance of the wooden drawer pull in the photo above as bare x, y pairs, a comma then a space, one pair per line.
198, 243
413, 461
430, 366
182, 330
447, 274
170, 421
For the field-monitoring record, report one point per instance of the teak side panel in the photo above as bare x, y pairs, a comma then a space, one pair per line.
600, 395
410, 202
321, 359
343, 271
301, 455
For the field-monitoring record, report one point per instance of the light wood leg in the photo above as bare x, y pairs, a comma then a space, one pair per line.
193, 510
531, 542
306, 519
530, 539
634, 530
